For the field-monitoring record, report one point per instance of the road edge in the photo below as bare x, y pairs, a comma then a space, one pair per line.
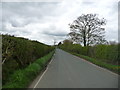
40, 75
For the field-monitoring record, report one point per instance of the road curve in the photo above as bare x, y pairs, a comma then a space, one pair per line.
69, 71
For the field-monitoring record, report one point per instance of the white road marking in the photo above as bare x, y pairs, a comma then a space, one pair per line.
51, 61
43, 73
40, 78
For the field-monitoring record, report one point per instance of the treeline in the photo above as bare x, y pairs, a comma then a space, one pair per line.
18, 52
105, 53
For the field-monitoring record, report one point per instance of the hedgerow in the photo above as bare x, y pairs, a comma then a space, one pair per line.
23, 77
18, 53
103, 55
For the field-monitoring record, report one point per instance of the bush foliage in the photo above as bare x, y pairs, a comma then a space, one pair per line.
106, 56
106, 53
18, 52
22, 78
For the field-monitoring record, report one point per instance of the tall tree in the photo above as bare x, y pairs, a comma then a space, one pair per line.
67, 42
87, 29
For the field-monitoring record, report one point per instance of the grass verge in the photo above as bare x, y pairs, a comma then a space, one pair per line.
21, 78
113, 68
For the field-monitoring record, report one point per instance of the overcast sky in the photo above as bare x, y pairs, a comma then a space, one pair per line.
46, 21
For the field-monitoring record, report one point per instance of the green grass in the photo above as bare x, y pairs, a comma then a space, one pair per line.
23, 77
114, 68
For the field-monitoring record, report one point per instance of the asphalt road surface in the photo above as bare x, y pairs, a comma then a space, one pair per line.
69, 71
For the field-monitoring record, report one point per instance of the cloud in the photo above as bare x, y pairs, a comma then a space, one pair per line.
55, 33
46, 21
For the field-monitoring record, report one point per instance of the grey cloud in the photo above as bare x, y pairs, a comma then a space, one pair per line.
52, 30
10, 29
30, 12
17, 23
46, 21
55, 33
29, 9
15, 31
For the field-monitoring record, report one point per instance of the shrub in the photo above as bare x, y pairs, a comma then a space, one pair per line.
18, 53
105, 53
21, 78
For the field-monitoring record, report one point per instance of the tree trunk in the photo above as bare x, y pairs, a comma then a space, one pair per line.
84, 38
84, 41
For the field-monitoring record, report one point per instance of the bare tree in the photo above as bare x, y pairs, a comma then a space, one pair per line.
87, 29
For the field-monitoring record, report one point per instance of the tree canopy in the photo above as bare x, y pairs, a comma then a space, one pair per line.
87, 29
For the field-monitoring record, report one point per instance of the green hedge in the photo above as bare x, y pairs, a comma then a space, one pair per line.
111, 67
106, 53
23, 77
19, 52
107, 56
